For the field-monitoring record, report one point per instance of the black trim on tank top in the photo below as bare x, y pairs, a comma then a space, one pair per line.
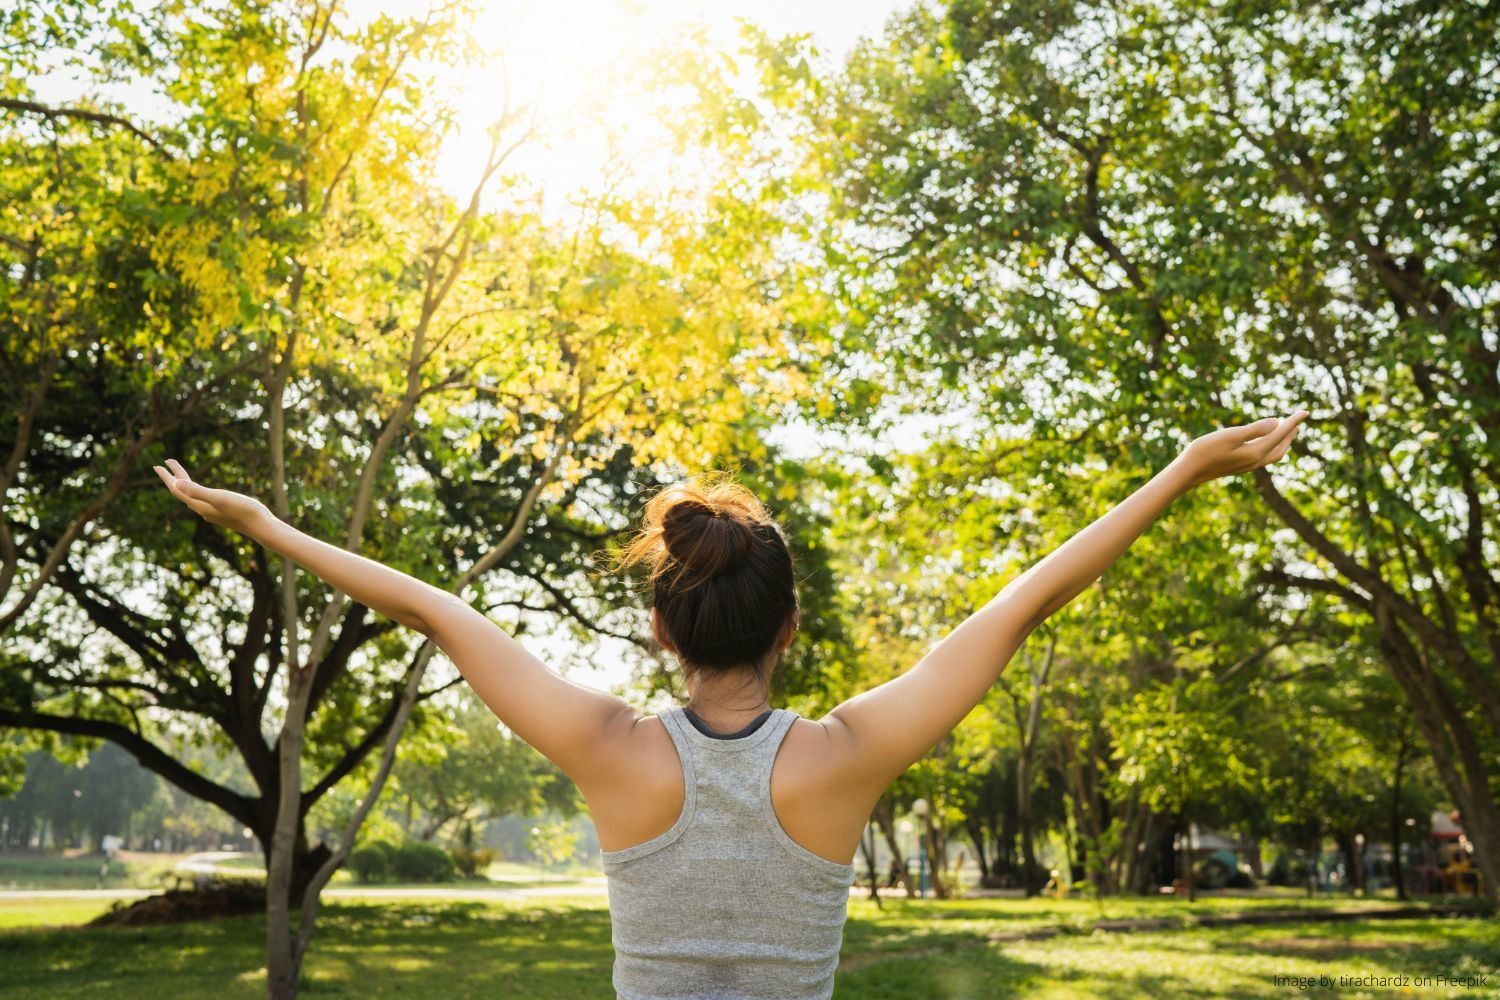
702, 727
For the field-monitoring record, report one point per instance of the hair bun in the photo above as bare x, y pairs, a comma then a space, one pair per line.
704, 540
722, 585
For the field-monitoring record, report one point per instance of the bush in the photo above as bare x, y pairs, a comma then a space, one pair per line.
1240, 880
421, 862
373, 862
472, 861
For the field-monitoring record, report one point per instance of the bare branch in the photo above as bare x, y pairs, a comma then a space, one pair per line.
83, 114
150, 756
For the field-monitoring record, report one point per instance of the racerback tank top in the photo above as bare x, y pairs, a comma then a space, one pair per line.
725, 905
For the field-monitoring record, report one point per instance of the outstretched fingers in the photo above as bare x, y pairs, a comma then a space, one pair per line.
173, 483
184, 488
184, 482
1277, 442
1246, 433
178, 470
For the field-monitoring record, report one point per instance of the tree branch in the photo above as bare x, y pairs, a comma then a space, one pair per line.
149, 755
83, 114
1450, 647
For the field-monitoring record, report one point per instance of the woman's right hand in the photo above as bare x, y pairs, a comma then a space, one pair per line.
223, 507
1234, 450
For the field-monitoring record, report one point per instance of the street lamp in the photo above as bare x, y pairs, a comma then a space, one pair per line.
919, 809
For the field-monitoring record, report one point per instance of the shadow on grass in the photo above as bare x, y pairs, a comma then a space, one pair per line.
436, 950
1199, 963
1438, 943
560, 950
986, 970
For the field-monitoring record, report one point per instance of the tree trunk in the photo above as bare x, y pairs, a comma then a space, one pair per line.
1023, 821
976, 837
867, 848
1135, 847
1006, 851
1452, 743
937, 857
306, 859
1187, 857
1029, 730
885, 818
1412, 645
283, 961
1098, 868
1396, 824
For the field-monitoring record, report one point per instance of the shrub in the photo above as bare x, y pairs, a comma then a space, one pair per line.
421, 862
1240, 880
373, 862
472, 861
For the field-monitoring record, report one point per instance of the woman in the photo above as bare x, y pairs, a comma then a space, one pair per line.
727, 827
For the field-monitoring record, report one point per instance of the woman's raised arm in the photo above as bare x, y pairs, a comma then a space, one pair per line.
574, 726
884, 730
402, 598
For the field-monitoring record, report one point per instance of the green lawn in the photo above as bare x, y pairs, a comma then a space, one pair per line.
33, 871
507, 872
1223, 962
920, 949
61, 912
154, 871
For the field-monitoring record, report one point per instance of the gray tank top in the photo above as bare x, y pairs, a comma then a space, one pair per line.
725, 905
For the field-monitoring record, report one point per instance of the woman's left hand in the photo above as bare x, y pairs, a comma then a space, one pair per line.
1235, 450
223, 507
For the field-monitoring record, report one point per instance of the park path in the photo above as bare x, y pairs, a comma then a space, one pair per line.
213, 863
587, 887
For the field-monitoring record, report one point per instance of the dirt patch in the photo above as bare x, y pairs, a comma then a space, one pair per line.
221, 899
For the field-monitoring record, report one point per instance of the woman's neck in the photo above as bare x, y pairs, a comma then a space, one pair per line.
721, 721
728, 704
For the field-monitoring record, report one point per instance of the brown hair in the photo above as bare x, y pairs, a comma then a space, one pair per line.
720, 572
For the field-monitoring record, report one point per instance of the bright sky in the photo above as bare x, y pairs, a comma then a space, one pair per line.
573, 57
573, 60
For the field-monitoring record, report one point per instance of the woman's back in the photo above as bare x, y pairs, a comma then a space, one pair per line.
724, 903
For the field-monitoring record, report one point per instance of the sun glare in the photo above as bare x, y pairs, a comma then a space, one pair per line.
576, 67
580, 64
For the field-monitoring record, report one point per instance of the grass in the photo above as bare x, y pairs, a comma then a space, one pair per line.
917, 949
154, 871
353, 888
447, 949
56, 912
560, 948
52, 871
1222, 962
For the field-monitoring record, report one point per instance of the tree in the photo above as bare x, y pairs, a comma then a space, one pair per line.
466, 393
471, 772
1098, 224
77, 803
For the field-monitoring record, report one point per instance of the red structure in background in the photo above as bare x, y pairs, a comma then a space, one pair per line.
1446, 867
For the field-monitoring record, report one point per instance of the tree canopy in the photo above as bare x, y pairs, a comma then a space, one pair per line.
940, 303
